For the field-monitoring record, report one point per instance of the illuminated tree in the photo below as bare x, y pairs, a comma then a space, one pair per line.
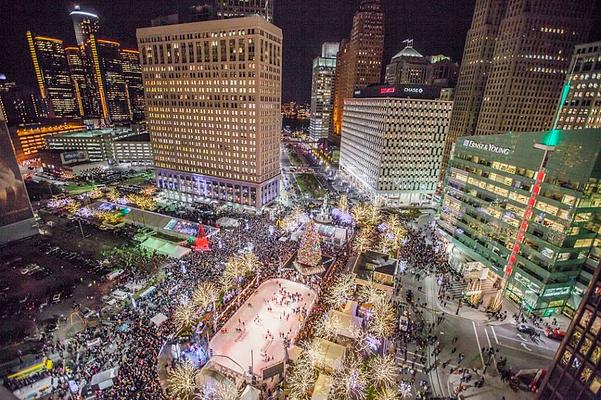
304, 371
112, 194
350, 381
343, 203
360, 213
363, 240
181, 381
250, 262
383, 318
183, 316
341, 291
225, 390
387, 393
73, 206
205, 295
109, 217
95, 193
383, 370
142, 201
373, 214
370, 294
328, 326
234, 273
309, 251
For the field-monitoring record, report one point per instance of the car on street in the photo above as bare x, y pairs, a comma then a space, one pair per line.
555, 333
525, 328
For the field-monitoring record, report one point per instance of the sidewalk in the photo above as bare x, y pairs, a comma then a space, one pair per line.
479, 314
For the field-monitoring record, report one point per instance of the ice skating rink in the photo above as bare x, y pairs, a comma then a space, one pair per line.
271, 316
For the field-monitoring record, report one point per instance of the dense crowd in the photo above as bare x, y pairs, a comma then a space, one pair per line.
129, 340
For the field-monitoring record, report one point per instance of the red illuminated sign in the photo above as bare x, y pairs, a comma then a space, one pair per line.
386, 90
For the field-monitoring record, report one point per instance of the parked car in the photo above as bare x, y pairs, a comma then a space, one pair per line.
88, 313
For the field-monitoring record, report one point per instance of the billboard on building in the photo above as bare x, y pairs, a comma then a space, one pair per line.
74, 156
14, 201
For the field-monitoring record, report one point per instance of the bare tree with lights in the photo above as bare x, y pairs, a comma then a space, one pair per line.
181, 381
341, 291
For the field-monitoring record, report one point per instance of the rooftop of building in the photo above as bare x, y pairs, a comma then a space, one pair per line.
96, 132
408, 52
371, 261
252, 21
142, 137
573, 156
406, 91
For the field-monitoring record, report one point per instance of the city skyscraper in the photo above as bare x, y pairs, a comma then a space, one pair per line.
576, 370
206, 10
508, 83
85, 23
52, 74
241, 8
392, 141
322, 91
212, 96
134, 88
581, 107
78, 77
359, 60
410, 66
104, 64
20, 105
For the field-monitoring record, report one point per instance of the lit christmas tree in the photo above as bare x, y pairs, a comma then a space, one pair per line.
309, 252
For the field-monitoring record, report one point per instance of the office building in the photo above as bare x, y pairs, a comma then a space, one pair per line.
16, 215
85, 23
78, 78
530, 226
134, 88
133, 150
105, 67
32, 137
506, 83
97, 143
392, 141
409, 66
581, 108
206, 10
242, 8
322, 91
576, 372
359, 61
52, 74
19, 104
212, 96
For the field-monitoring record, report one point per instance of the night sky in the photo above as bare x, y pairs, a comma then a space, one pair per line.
437, 27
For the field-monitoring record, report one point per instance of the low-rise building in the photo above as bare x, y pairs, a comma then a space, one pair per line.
98, 143
133, 150
32, 138
392, 141
531, 219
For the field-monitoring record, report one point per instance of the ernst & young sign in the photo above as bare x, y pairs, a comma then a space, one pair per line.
486, 147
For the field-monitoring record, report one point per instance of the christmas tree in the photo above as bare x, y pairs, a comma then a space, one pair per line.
309, 252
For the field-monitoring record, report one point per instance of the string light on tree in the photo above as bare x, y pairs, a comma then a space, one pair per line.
309, 251
181, 381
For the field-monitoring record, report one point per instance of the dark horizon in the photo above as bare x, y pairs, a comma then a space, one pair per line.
436, 30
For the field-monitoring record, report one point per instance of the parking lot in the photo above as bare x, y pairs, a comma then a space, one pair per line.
46, 276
